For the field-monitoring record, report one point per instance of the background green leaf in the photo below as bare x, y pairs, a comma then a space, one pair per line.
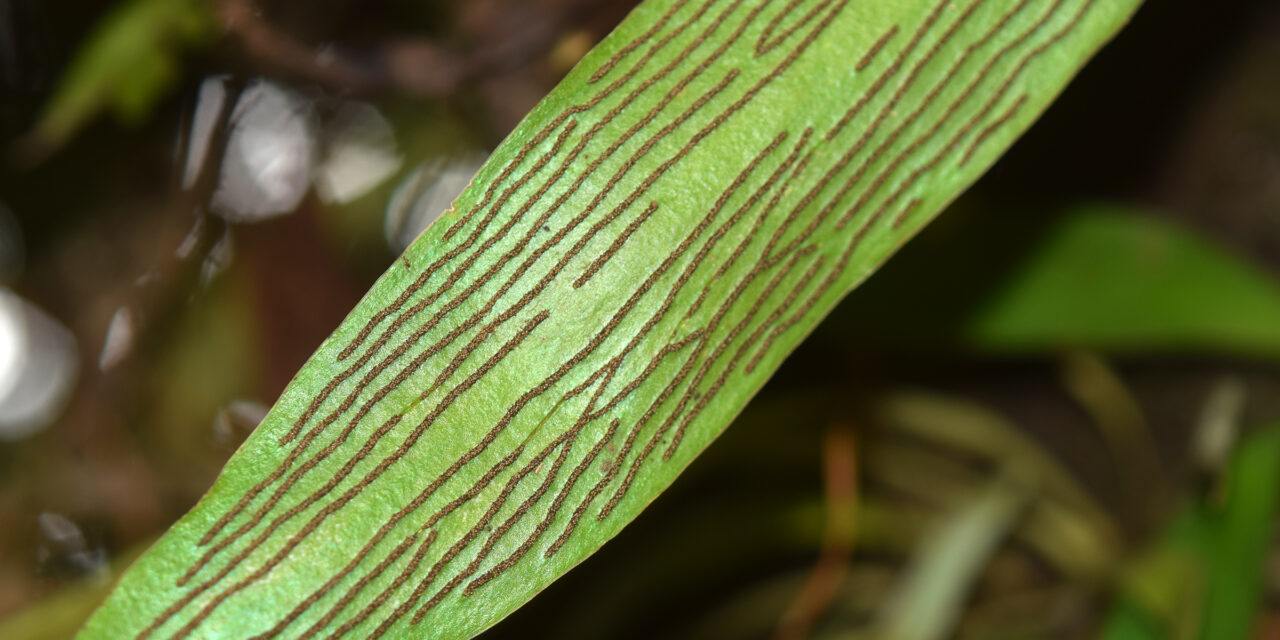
1108, 278
620, 279
126, 66
1204, 578
1102, 277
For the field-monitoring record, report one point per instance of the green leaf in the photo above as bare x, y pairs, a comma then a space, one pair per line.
1205, 579
1107, 278
624, 273
126, 64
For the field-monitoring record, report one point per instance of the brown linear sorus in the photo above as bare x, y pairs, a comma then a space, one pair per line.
599, 339
583, 465
499, 532
643, 455
531, 259
991, 128
532, 465
676, 90
776, 72
279, 471
454, 302
808, 275
373, 605
279, 520
436, 267
792, 56
870, 55
893, 68
245, 499
551, 275
705, 396
888, 109
751, 341
538, 390
823, 287
537, 139
671, 94
365, 449
848, 184
777, 329
484, 481
475, 531
333, 581
973, 122
457, 300
796, 169
701, 254
739, 104
566, 442
863, 230
843, 161
911, 206
808, 304
315, 431
510, 167
764, 45
430, 299
635, 43
948, 112
676, 289
401, 377
589, 413
906, 212
552, 511
546, 384
315, 522
613, 248
618, 143
688, 50
673, 291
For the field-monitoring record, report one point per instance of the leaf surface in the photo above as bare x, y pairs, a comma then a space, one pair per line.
622, 276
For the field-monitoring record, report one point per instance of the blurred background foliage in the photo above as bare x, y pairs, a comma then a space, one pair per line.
1053, 415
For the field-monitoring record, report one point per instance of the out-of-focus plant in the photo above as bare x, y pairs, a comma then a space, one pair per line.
128, 64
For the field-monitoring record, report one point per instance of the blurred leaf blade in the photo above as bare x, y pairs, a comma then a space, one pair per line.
1242, 531
125, 65
1220, 543
622, 276
62, 614
948, 563
1111, 279
1065, 524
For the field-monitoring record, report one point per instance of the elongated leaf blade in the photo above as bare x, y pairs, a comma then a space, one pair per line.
622, 276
